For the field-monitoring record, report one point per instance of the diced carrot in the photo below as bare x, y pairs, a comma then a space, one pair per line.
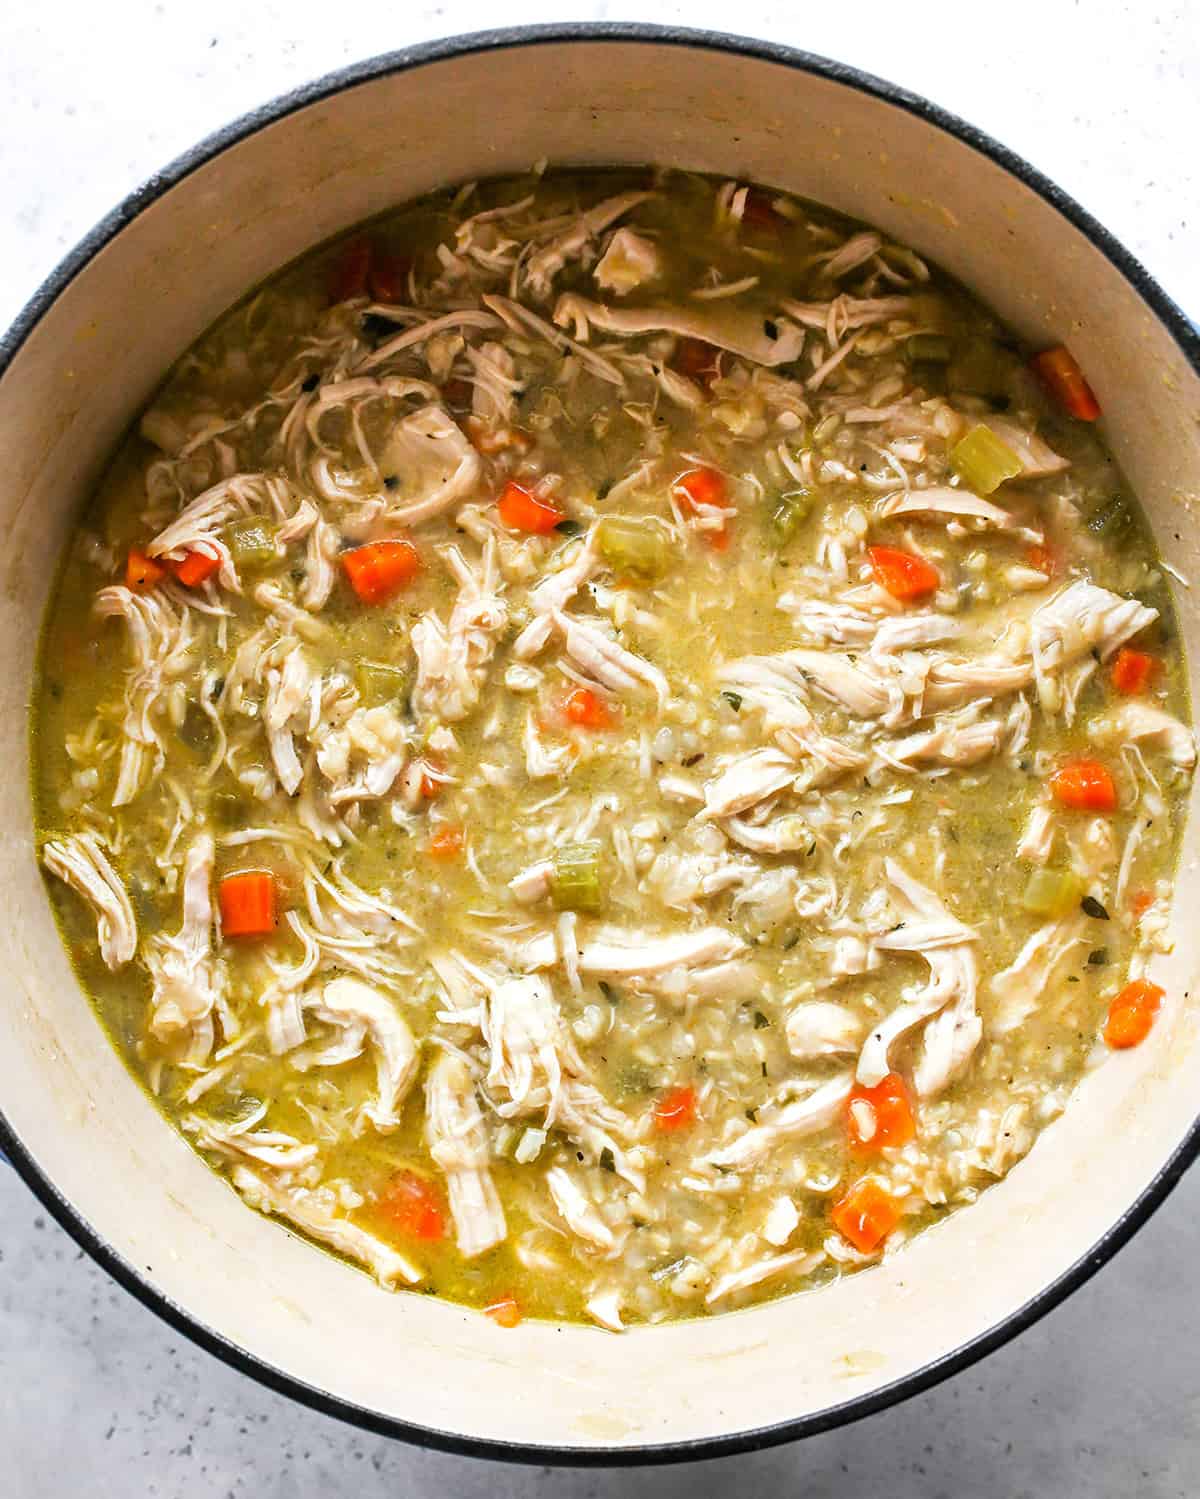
705, 486
759, 212
1085, 786
195, 568
348, 274
866, 1215
447, 843
141, 572
504, 1312
1131, 1014
387, 279
675, 1110
881, 1116
1133, 671
247, 902
587, 709
380, 569
1059, 371
701, 486
522, 511
413, 1206
431, 786
697, 360
905, 575
1140, 902
1044, 559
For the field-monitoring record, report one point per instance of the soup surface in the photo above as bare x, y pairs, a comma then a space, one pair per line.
613, 746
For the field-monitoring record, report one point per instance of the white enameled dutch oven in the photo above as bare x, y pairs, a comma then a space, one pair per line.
83, 358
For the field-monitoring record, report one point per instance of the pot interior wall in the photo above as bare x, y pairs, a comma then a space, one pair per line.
78, 380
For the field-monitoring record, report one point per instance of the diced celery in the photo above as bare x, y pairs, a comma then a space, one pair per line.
251, 544
789, 513
379, 682
575, 881
928, 348
633, 548
982, 461
1052, 892
529, 1146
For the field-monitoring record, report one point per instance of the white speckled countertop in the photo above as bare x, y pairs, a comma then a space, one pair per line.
1102, 1398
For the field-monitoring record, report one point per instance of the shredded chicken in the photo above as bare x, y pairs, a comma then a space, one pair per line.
552, 594
266, 1147
452, 658
314, 1211
806, 1116
819, 1028
458, 1143
739, 332
940, 500
184, 972
629, 262
439, 467
1037, 458
1141, 723
946, 1003
652, 956
1080, 619
162, 641
578, 1212
799, 1262
546, 262
749, 780
606, 660
604, 1308
360, 1013
81, 863
1020, 987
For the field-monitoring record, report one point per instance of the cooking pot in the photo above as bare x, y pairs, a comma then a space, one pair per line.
75, 369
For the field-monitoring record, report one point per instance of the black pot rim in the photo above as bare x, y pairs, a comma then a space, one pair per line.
1158, 1189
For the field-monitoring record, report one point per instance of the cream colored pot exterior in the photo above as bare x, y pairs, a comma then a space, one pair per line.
85, 360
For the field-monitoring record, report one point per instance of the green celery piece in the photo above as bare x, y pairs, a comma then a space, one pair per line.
982, 461
789, 513
1052, 892
251, 544
575, 880
379, 682
634, 548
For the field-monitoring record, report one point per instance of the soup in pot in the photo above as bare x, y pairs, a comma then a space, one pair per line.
612, 747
